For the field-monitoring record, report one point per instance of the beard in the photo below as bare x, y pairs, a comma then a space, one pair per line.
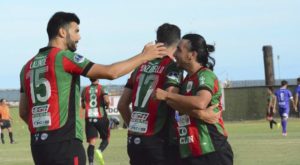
71, 44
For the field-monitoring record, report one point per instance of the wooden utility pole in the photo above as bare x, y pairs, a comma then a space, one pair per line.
269, 68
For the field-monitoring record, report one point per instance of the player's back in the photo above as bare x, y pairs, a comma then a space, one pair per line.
149, 115
283, 96
50, 81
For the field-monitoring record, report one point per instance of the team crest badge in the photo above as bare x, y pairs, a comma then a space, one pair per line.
78, 58
189, 86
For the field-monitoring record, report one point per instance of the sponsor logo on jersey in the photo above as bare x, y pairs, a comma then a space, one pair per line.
78, 58
186, 140
173, 76
40, 109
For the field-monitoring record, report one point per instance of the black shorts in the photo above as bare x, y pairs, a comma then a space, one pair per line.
95, 126
222, 157
5, 124
69, 152
173, 155
270, 112
144, 150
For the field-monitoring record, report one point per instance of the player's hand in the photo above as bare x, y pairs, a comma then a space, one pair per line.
209, 116
160, 94
152, 51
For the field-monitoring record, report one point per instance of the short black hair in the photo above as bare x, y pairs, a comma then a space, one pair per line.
284, 82
298, 79
93, 80
168, 34
58, 20
271, 88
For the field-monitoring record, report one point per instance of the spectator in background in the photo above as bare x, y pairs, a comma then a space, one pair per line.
297, 96
283, 96
5, 119
271, 107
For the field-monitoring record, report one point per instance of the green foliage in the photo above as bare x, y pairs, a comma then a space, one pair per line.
252, 141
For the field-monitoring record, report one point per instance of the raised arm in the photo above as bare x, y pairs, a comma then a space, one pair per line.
118, 69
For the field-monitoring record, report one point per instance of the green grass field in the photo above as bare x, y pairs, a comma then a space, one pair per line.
253, 143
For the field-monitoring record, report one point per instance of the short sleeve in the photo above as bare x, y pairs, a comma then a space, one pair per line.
206, 81
104, 90
290, 94
22, 81
174, 76
131, 79
297, 91
76, 64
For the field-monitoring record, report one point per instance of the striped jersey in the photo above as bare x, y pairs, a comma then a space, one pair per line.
148, 115
92, 98
51, 83
194, 135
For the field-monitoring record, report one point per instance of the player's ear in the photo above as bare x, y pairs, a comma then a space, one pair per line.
62, 33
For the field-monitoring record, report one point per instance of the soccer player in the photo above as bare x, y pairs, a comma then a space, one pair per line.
199, 142
95, 99
149, 128
283, 97
297, 96
147, 122
50, 96
271, 107
5, 119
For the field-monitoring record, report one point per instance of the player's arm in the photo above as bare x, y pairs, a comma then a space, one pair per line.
123, 105
82, 99
296, 100
106, 100
274, 103
23, 108
177, 101
207, 115
294, 105
118, 69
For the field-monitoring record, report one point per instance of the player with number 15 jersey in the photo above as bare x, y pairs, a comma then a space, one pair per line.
51, 82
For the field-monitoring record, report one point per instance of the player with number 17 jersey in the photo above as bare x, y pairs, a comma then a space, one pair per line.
51, 82
148, 115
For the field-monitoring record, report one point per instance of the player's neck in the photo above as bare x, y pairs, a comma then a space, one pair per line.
193, 68
170, 52
58, 43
